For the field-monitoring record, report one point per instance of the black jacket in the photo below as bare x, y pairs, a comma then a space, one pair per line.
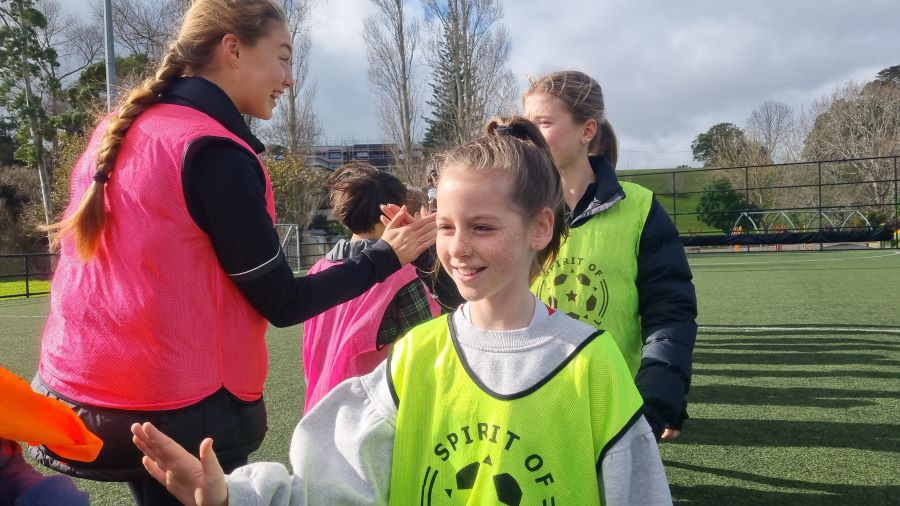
667, 303
224, 189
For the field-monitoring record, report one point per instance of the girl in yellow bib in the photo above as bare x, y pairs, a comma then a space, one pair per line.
622, 267
503, 401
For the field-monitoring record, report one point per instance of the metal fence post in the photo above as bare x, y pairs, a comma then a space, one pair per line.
674, 202
297, 241
27, 282
896, 204
821, 246
747, 193
896, 195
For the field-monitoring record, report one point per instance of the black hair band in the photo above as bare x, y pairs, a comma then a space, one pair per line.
101, 177
502, 130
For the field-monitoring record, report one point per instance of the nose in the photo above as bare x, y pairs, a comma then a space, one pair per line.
459, 246
288, 80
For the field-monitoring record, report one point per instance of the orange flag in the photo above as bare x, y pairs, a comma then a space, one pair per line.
36, 419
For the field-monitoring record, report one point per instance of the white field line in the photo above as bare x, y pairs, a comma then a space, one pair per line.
20, 316
753, 330
725, 264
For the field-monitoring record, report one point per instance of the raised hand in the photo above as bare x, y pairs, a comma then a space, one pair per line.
194, 482
409, 236
391, 210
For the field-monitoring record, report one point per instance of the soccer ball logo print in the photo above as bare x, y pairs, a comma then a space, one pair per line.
505, 486
578, 290
493, 478
506, 489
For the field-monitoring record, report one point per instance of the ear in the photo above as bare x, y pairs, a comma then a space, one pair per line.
230, 48
542, 229
589, 131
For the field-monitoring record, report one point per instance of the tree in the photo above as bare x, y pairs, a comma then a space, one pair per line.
726, 145
890, 75
859, 122
771, 125
8, 146
77, 45
23, 65
295, 125
300, 188
20, 194
721, 206
391, 43
144, 27
468, 57
708, 146
87, 97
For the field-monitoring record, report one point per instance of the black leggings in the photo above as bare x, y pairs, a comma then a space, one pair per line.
238, 428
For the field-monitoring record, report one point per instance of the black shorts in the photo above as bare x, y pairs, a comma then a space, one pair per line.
238, 428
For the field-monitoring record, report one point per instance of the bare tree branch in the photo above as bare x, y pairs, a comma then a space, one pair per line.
296, 125
392, 40
771, 125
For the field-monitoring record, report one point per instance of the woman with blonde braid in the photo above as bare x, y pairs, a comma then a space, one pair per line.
170, 268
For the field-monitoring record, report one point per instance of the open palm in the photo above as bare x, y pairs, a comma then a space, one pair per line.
191, 480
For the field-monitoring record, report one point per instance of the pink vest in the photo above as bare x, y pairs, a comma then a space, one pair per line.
340, 343
152, 322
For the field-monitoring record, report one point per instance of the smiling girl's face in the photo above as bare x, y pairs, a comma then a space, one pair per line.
264, 73
483, 241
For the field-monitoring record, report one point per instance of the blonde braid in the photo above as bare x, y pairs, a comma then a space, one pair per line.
86, 223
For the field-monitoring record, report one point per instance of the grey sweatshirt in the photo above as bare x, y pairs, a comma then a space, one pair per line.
341, 451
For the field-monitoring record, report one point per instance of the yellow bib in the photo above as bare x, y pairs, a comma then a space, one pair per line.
459, 443
594, 276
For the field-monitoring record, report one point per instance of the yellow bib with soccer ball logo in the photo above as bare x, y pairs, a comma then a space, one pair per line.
594, 276
457, 442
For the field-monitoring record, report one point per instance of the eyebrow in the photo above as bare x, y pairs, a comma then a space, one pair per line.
482, 217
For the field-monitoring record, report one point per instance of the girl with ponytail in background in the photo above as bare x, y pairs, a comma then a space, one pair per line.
622, 268
170, 268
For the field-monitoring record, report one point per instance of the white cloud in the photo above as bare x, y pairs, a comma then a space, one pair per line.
669, 70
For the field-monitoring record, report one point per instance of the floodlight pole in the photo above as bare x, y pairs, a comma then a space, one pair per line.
110, 56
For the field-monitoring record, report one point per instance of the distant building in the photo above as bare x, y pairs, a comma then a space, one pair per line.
379, 155
333, 156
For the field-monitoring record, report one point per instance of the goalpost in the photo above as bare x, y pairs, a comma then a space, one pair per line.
289, 237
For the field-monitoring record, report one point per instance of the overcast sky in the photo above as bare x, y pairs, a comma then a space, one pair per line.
669, 70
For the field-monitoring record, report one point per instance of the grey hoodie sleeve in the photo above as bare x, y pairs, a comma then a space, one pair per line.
341, 452
631, 472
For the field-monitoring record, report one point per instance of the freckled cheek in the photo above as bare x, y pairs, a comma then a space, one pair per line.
441, 246
502, 249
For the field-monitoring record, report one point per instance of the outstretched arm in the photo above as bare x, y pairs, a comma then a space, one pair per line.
341, 453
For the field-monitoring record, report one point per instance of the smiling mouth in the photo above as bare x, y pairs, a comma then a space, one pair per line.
466, 273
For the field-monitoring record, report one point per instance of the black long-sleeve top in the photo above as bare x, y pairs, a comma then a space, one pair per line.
224, 188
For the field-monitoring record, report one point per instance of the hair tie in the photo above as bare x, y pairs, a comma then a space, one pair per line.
502, 130
101, 177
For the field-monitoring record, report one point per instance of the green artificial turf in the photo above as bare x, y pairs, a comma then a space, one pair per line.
15, 289
796, 386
